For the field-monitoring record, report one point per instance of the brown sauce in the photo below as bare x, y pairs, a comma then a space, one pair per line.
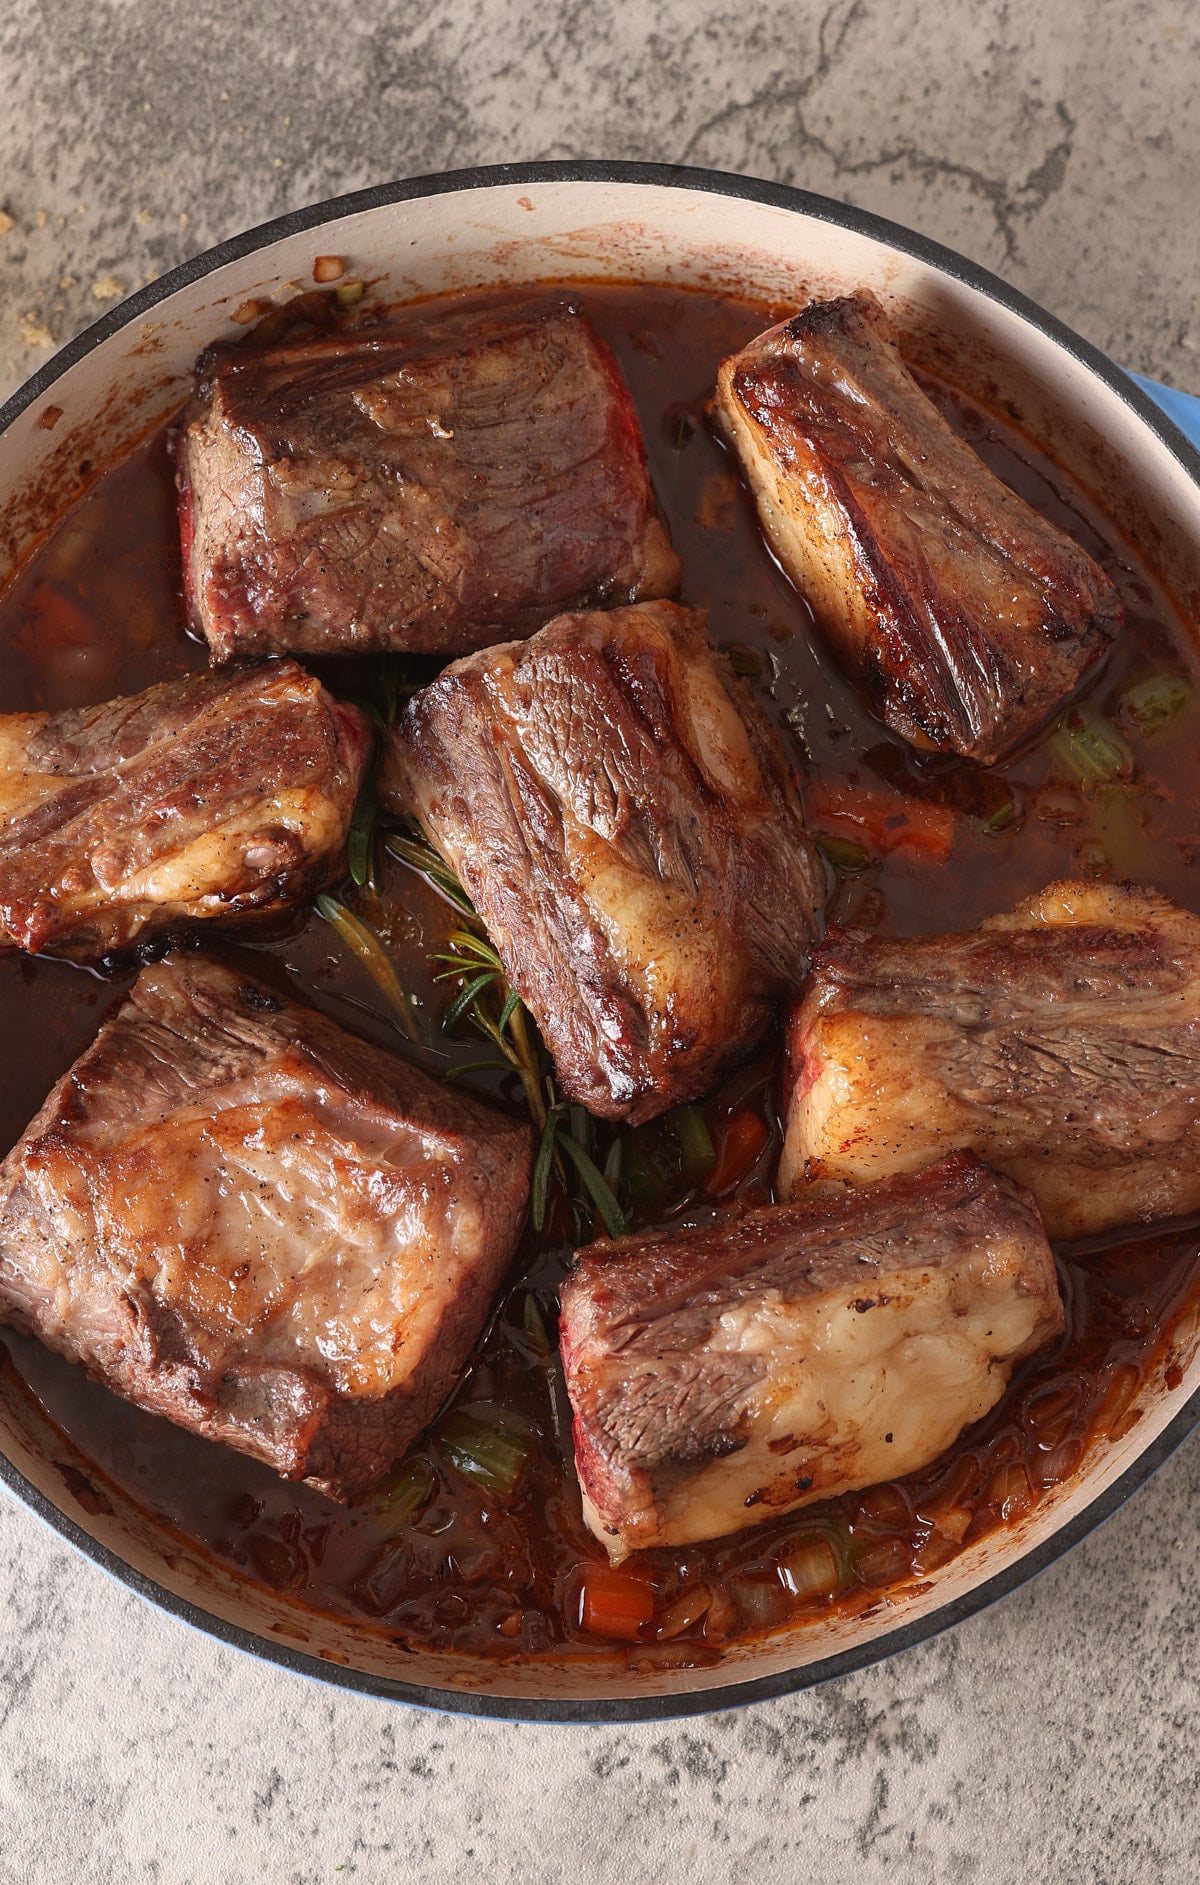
496, 1575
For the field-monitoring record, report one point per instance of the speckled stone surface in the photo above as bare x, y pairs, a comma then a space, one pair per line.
1054, 1738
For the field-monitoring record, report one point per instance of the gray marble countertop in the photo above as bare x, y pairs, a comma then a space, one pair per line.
1053, 1738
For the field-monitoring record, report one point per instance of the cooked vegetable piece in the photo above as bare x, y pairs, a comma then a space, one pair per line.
884, 821
71, 654
848, 858
407, 1491
812, 1568
431, 487
625, 823
742, 1140
966, 617
697, 1156
614, 1603
1061, 1041
485, 1444
218, 797
1087, 747
238, 1216
723, 1375
1153, 703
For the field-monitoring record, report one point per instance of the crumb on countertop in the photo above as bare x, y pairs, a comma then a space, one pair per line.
34, 331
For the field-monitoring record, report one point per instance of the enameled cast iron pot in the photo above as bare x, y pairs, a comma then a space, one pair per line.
629, 222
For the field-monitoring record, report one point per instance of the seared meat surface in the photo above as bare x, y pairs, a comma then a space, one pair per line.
238, 1216
623, 817
965, 616
721, 1376
431, 488
216, 796
1061, 1041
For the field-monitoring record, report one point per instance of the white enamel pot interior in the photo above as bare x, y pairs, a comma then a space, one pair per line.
525, 224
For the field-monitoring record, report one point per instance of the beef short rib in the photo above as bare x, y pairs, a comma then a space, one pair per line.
239, 1216
1060, 1041
723, 1375
966, 617
623, 817
218, 796
432, 488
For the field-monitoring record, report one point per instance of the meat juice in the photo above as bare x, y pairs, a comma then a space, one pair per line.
98, 611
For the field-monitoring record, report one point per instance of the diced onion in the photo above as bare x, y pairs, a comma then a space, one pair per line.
811, 1569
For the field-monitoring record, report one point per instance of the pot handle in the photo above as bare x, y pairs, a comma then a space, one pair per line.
1183, 408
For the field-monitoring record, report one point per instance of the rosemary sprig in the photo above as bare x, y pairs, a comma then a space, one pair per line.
486, 998
362, 853
495, 1008
386, 690
359, 937
419, 855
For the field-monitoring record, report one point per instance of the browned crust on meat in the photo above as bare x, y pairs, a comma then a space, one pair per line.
219, 796
965, 616
652, 896
430, 487
1060, 1040
106, 1247
657, 1396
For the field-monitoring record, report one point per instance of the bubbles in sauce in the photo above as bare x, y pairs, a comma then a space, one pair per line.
441, 1557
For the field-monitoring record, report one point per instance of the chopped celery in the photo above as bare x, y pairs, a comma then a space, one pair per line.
408, 1490
644, 1183
743, 661
697, 1155
1150, 704
1088, 748
536, 1332
486, 1446
999, 818
848, 858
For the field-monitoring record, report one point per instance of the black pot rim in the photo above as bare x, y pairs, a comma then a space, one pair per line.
907, 1635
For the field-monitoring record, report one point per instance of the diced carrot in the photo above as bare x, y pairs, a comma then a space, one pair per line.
60, 622
72, 655
614, 1602
884, 821
739, 1146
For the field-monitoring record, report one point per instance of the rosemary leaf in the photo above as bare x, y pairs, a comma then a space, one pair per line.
374, 958
597, 1185
542, 1166
476, 1066
613, 1163
360, 840
420, 856
465, 998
